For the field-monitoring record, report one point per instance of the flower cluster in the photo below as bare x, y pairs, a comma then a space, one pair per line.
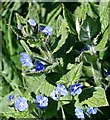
61, 90
21, 103
45, 29
27, 61
80, 113
42, 101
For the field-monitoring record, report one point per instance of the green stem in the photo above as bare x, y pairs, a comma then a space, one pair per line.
43, 60
9, 31
23, 78
63, 114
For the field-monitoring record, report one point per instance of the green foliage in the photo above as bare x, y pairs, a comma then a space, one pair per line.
61, 54
95, 97
89, 29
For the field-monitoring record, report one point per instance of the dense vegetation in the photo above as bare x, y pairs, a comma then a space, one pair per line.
55, 60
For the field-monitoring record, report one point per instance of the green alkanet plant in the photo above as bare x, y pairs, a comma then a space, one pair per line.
63, 63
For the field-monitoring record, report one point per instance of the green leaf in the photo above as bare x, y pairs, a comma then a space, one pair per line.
66, 100
104, 15
53, 14
87, 71
51, 110
89, 29
64, 35
38, 84
58, 25
25, 47
70, 21
16, 31
103, 42
10, 73
72, 76
5, 103
33, 9
93, 97
16, 60
20, 20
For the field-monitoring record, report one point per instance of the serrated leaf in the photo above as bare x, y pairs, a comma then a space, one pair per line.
93, 97
69, 18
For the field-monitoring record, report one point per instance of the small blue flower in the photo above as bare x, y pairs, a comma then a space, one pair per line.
10, 97
62, 90
26, 60
20, 27
84, 49
79, 113
76, 89
108, 72
32, 22
42, 101
54, 94
17, 37
39, 66
21, 103
92, 110
47, 30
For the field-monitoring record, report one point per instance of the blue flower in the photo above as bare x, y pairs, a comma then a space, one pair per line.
20, 27
47, 30
21, 103
32, 22
84, 49
42, 101
54, 94
39, 66
62, 90
26, 60
92, 110
76, 89
79, 113
10, 97
108, 72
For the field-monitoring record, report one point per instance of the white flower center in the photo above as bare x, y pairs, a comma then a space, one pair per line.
21, 104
